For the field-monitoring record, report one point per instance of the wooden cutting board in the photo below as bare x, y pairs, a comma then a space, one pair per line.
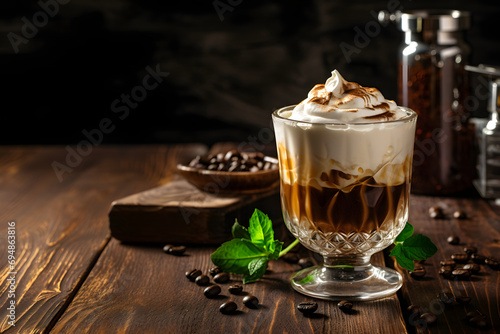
178, 212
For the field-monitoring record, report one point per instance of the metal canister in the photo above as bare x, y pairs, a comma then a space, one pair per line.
434, 83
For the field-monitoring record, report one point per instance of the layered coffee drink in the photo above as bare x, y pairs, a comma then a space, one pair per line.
345, 156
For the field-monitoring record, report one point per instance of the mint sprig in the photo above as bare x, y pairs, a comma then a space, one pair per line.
409, 247
250, 250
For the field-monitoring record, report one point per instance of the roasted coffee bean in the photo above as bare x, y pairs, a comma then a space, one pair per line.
345, 305
459, 214
291, 257
177, 250
429, 318
220, 157
436, 212
259, 156
476, 318
478, 258
473, 267
446, 271
307, 307
479, 322
305, 262
221, 166
493, 262
418, 272
202, 280
251, 301
460, 258
446, 297
166, 248
448, 263
453, 240
235, 289
214, 271
461, 274
463, 300
212, 291
232, 154
414, 309
470, 250
212, 167
192, 274
473, 313
221, 278
228, 307
267, 165
254, 169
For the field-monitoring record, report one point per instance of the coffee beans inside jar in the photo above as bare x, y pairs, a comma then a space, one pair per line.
234, 161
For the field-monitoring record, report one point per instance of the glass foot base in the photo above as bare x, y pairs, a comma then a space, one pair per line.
347, 283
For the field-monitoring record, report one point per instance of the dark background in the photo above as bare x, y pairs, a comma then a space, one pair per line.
225, 76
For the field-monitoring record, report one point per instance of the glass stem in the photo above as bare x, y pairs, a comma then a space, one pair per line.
347, 261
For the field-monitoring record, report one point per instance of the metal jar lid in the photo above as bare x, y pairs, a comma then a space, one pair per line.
433, 20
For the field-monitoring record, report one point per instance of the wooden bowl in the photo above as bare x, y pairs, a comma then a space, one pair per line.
232, 183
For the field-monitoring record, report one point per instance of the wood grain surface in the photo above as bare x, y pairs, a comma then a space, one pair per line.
73, 278
62, 227
480, 229
147, 292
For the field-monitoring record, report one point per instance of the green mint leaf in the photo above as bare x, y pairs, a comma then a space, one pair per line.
239, 231
261, 230
401, 257
235, 255
258, 270
278, 245
255, 265
405, 233
419, 247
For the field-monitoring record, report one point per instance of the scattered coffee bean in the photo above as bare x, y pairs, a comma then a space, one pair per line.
307, 307
418, 272
212, 291
453, 240
414, 309
291, 257
461, 274
228, 307
429, 318
345, 305
251, 301
193, 274
446, 271
463, 300
214, 271
479, 322
493, 262
476, 318
235, 289
436, 212
459, 214
470, 250
460, 258
448, 263
166, 248
478, 258
473, 267
202, 280
221, 278
446, 297
234, 161
177, 250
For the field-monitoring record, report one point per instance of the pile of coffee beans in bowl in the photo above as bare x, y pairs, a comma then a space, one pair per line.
234, 161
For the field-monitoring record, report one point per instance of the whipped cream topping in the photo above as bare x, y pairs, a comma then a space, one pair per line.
339, 100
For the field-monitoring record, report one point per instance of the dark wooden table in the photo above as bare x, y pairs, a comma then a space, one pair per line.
72, 277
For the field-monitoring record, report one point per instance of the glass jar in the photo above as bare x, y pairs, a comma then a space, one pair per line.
433, 82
